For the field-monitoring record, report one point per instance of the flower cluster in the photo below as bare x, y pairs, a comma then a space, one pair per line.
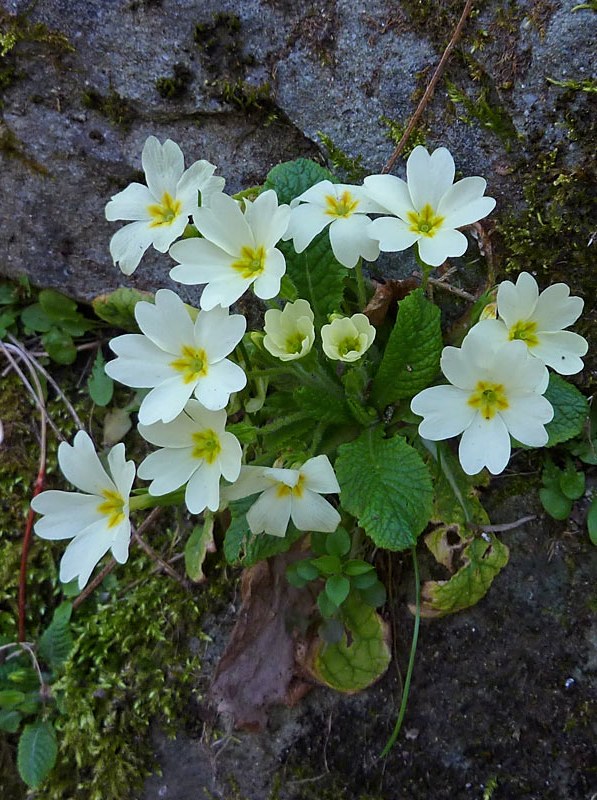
187, 361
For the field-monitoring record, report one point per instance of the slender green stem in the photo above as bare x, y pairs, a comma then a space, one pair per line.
361, 292
411, 661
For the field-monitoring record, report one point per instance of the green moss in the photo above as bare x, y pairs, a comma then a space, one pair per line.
247, 98
350, 169
395, 132
117, 109
177, 84
588, 85
485, 110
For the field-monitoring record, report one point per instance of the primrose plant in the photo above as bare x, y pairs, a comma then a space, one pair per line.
323, 434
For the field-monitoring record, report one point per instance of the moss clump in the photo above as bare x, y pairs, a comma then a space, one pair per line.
348, 168
220, 45
117, 109
176, 85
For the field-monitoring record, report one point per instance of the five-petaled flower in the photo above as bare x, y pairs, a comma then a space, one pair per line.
236, 250
196, 450
289, 494
496, 393
347, 338
289, 334
161, 209
344, 209
178, 358
428, 207
539, 320
96, 521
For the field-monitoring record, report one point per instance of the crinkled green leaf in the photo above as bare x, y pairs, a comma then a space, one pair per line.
292, 178
243, 547
9, 720
56, 642
118, 307
386, 485
352, 667
197, 547
100, 385
37, 752
570, 410
455, 499
411, 358
318, 277
59, 346
322, 405
484, 557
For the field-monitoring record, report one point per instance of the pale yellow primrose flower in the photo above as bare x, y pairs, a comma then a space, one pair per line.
196, 450
289, 334
289, 494
237, 250
428, 207
347, 338
161, 209
98, 520
178, 358
538, 320
344, 209
496, 393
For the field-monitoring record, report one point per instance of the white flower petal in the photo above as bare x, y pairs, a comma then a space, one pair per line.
526, 418
470, 213
306, 221
222, 379
457, 368
219, 332
230, 457
393, 234
81, 466
267, 220
121, 539
251, 480
166, 324
270, 513
312, 513
197, 179
434, 250
445, 410
429, 176
122, 471
203, 490
164, 235
131, 203
66, 513
168, 469
319, 475
163, 166
165, 401
201, 261
485, 443
349, 240
517, 302
140, 363
267, 285
84, 552
390, 193
128, 245
224, 224
562, 351
555, 308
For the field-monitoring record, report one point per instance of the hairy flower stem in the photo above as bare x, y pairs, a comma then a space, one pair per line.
411, 661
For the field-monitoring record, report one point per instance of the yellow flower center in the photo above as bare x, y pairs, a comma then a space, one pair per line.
425, 221
349, 345
294, 343
295, 491
112, 507
342, 206
206, 445
488, 398
192, 363
165, 212
252, 262
526, 331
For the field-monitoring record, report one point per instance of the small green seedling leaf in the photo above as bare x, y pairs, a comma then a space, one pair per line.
9, 720
484, 557
36, 753
199, 543
57, 306
100, 385
411, 358
572, 483
328, 565
338, 543
357, 567
327, 608
570, 410
307, 570
592, 521
374, 595
387, 487
337, 588
36, 319
9, 698
351, 667
59, 346
293, 577
56, 642
365, 580
555, 503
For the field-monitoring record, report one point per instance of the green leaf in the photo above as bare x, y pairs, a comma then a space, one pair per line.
352, 667
572, 483
244, 432
323, 404
455, 500
56, 642
118, 307
35, 319
59, 346
198, 544
100, 385
293, 577
10, 698
306, 569
328, 565
374, 595
337, 588
484, 558
243, 547
7, 318
318, 277
58, 306
570, 410
356, 567
8, 294
338, 543
9, 720
386, 485
292, 178
411, 358
592, 521
555, 503
326, 607
36, 753
365, 580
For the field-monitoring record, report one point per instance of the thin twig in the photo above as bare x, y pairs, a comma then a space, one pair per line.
430, 86
156, 557
507, 526
447, 287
